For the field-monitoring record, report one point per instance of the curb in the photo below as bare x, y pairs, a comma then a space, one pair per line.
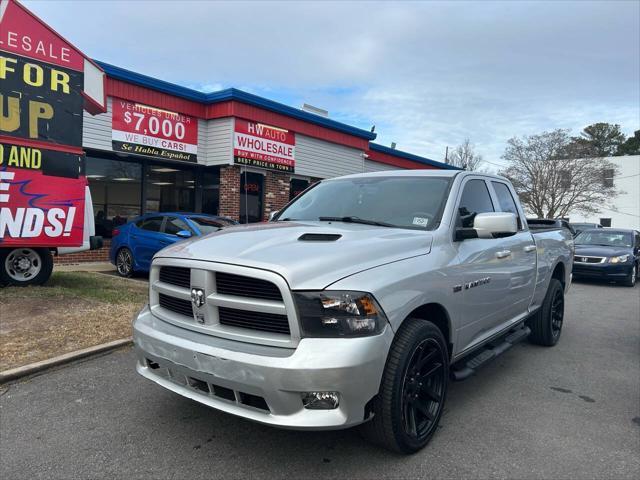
19, 372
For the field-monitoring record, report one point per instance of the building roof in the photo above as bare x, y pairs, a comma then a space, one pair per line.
410, 156
234, 94
229, 94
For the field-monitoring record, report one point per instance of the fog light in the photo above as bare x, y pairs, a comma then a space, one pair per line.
320, 400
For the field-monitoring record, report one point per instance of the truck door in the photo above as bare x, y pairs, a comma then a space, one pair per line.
485, 267
522, 256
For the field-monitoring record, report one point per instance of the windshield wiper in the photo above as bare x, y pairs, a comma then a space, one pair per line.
352, 219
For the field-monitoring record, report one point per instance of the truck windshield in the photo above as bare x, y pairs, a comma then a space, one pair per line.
404, 202
606, 238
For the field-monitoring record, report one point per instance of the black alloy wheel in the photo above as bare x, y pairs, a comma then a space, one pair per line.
423, 390
546, 324
406, 412
557, 313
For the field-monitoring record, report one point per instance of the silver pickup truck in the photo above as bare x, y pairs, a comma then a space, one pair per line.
356, 304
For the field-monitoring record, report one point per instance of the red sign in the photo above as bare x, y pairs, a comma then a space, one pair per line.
24, 34
145, 130
40, 210
264, 146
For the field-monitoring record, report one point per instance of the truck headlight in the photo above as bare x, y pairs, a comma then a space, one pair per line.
339, 314
620, 259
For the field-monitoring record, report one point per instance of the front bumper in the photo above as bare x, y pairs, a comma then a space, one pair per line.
233, 376
602, 270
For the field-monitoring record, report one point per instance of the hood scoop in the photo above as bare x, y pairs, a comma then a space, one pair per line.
319, 237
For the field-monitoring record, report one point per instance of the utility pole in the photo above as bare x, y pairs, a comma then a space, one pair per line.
446, 155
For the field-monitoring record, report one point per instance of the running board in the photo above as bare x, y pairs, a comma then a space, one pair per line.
489, 352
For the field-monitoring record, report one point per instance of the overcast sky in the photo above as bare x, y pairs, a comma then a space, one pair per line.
426, 74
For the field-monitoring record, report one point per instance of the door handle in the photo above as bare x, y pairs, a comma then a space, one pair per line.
503, 254
530, 248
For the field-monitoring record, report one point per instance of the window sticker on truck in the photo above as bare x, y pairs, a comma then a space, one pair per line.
420, 221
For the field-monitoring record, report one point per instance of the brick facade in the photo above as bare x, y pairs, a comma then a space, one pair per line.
229, 192
101, 255
276, 192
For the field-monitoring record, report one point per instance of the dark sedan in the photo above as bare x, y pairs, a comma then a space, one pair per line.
607, 254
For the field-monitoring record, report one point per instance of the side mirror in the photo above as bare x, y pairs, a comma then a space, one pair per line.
272, 215
183, 234
490, 225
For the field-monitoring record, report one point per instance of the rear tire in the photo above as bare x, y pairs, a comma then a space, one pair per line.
124, 262
630, 281
546, 323
413, 389
21, 267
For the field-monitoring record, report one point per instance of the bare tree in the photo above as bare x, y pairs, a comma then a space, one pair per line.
551, 181
464, 156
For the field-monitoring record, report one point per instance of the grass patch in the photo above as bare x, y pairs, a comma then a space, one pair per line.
73, 310
85, 285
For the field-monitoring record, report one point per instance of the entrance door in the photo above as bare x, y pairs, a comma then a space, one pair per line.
251, 194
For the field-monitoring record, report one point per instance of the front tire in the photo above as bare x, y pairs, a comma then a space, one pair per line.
630, 281
546, 323
413, 390
21, 267
124, 262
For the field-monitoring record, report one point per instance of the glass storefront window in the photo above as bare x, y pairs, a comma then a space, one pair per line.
211, 190
251, 193
169, 189
296, 187
116, 189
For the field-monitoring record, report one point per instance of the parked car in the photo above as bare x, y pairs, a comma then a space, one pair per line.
579, 227
134, 244
356, 304
608, 254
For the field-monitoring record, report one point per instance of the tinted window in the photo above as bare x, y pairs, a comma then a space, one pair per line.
296, 187
505, 199
475, 199
152, 224
175, 225
208, 225
116, 188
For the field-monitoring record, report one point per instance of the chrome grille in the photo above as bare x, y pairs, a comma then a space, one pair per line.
179, 276
266, 322
241, 303
588, 259
229, 284
177, 305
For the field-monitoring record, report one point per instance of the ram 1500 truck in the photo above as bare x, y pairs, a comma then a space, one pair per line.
356, 304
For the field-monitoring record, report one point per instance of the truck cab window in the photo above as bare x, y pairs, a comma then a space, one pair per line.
505, 199
475, 199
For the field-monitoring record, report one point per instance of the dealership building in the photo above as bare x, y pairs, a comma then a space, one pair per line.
164, 147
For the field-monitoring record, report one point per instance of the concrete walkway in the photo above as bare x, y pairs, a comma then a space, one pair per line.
85, 267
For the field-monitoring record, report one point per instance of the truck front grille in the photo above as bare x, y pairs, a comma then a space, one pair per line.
176, 305
229, 284
234, 302
178, 276
266, 322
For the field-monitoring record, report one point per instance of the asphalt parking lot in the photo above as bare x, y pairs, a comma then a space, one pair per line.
572, 411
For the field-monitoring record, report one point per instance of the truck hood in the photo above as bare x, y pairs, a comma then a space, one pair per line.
309, 263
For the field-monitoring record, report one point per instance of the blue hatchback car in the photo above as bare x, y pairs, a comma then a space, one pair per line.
134, 244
